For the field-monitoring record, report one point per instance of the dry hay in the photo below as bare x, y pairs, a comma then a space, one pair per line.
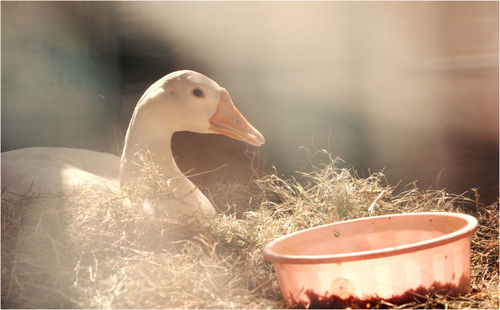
95, 249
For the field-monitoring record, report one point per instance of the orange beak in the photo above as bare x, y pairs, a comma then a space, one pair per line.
227, 120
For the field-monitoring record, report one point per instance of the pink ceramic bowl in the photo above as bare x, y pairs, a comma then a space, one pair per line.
358, 262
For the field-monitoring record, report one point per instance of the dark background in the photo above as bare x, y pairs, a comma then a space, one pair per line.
409, 87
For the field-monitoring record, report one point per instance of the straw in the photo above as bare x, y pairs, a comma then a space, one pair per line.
95, 248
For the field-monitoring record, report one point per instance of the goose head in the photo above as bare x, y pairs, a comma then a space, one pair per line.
189, 101
183, 101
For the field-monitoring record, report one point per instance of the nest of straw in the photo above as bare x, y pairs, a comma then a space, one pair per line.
96, 248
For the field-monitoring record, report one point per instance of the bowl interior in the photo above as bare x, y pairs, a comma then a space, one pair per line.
369, 234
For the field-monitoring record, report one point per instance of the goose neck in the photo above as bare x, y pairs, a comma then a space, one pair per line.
155, 149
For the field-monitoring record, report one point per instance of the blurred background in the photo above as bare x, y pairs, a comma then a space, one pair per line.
408, 87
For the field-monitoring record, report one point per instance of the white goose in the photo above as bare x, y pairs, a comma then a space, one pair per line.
180, 101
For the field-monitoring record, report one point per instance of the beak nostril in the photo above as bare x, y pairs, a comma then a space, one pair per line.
238, 121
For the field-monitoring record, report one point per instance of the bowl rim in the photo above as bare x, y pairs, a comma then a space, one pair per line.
467, 230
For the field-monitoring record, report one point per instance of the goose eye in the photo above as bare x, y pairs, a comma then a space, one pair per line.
198, 92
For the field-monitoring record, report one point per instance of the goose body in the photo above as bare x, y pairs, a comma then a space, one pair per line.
57, 169
180, 101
